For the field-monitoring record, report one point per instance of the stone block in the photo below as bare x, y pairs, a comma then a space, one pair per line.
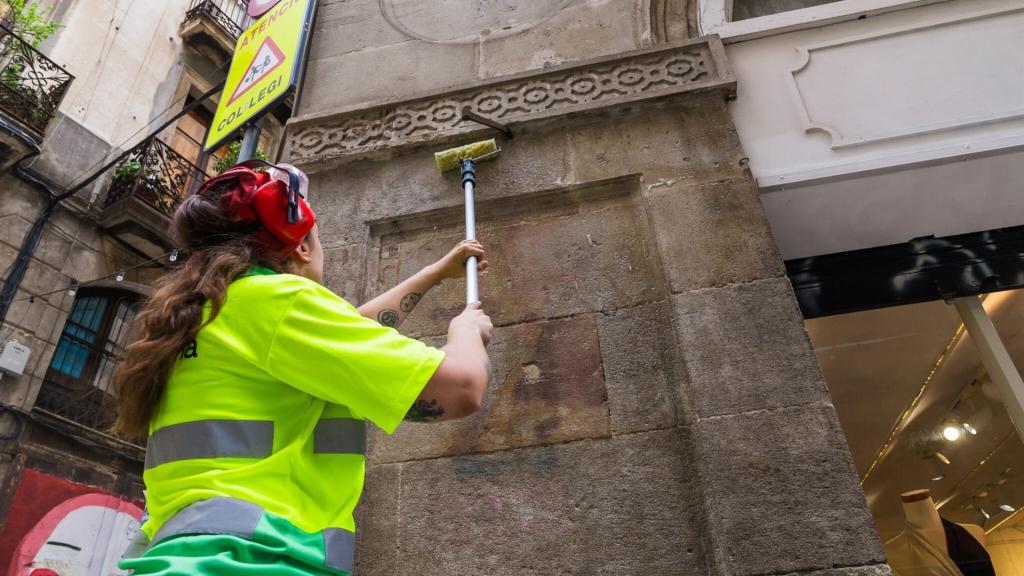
13, 229
373, 75
638, 353
53, 249
43, 352
83, 230
40, 277
712, 234
693, 141
624, 505
745, 348
20, 199
376, 518
352, 25
85, 263
579, 31
567, 260
344, 268
347, 199
778, 481
546, 386
72, 150
52, 324
26, 313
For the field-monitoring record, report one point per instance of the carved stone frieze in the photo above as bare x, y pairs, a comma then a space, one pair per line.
514, 100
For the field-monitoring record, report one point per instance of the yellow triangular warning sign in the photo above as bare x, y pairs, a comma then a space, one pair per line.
267, 58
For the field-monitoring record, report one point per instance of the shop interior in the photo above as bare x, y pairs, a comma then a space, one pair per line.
929, 432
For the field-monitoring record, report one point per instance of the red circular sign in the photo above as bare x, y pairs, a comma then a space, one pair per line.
258, 8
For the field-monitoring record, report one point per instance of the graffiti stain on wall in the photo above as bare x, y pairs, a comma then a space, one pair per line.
60, 528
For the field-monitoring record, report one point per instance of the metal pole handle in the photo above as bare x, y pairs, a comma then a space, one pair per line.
472, 287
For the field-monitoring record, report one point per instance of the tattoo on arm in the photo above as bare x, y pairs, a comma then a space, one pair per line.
423, 411
388, 318
410, 301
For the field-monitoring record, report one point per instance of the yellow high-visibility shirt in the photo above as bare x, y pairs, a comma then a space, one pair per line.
269, 403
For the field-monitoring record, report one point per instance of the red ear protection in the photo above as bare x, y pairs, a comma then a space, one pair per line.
285, 216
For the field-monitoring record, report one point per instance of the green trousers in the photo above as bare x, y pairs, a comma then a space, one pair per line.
277, 548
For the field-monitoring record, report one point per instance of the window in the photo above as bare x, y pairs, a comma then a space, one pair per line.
744, 9
77, 383
741, 20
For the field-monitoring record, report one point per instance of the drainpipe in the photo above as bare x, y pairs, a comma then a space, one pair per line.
35, 232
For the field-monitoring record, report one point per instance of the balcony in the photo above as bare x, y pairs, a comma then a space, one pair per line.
213, 26
147, 186
31, 89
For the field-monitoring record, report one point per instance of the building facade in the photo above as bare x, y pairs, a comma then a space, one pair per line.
685, 191
101, 127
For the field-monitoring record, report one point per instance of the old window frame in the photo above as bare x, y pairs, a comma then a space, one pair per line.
90, 390
713, 17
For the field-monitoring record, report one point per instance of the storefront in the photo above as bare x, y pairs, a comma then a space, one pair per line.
895, 203
919, 345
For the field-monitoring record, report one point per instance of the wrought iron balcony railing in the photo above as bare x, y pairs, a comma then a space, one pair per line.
154, 173
92, 407
231, 15
31, 85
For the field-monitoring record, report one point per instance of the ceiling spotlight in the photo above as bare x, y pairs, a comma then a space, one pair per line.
1007, 508
985, 514
952, 433
970, 429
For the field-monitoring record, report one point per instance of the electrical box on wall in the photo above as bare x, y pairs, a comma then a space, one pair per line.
14, 357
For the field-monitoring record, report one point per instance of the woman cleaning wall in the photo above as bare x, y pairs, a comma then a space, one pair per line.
254, 382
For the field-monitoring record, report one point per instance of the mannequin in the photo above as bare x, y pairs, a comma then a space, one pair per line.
925, 546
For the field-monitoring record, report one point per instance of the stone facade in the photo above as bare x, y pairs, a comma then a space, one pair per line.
120, 93
655, 406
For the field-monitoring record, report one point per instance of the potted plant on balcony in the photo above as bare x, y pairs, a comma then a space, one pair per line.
149, 185
231, 158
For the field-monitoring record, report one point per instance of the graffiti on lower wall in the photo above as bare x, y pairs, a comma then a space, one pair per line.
60, 528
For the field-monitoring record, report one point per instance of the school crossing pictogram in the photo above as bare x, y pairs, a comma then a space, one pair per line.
267, 59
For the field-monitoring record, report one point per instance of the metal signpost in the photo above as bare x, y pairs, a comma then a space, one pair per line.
266, 67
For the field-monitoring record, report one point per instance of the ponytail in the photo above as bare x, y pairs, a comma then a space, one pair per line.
222, 251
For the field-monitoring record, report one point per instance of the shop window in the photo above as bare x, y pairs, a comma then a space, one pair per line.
77, 385
744, 9
941, 462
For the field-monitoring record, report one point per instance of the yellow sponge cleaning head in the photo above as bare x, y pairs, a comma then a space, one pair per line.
450, 159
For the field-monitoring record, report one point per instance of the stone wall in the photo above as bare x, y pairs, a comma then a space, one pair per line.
71, 248
655, 406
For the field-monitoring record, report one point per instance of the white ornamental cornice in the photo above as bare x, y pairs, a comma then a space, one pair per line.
594, 87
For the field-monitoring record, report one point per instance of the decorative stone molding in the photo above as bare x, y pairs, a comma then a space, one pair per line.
673, 20
597, 86
835, 85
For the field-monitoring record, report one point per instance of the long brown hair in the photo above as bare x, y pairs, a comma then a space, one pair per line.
220, 251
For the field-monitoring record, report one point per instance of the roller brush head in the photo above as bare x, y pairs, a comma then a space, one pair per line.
450, 159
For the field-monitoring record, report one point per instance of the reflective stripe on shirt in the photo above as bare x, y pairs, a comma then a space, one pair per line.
210, 439
246, 439
339, 436
235, 517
